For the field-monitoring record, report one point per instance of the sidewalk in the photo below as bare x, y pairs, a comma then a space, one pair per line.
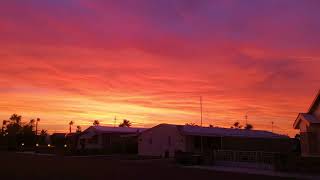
256, 172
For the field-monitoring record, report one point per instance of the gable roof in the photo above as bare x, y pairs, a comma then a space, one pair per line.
315, 103
120, 130
227, 132
309, 118
305, 117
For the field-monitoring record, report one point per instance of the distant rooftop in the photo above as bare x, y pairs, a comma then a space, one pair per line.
108, 129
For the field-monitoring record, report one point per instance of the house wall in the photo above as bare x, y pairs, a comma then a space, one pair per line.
89, 144
159, 140
238, 144
317, 111
310, 140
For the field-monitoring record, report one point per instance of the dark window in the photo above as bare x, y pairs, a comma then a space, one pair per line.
93, 140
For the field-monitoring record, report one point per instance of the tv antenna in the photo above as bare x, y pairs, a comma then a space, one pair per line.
201, 110
115, 121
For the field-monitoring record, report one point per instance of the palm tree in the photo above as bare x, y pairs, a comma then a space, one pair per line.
236, 125
16, 118
248, 127
4, 122
31, 123
78, 129
38, 120
70, 124
125, 123
96, 123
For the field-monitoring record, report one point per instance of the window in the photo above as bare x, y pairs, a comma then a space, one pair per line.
93, 140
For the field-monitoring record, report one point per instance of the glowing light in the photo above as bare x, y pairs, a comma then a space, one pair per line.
49, 145
37, 144
65, 145
22, 144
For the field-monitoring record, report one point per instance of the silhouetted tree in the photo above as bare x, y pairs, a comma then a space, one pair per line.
248, 127
70, 125
4, 123
43, 135
78, 129
236, 125
191, 124
38, 120
125, 123
14, 126
211, 126
96, 123
31, 123
16, 118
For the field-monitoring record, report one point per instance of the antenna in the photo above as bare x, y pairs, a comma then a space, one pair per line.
201, 108
115, 121
246, 117
272, 125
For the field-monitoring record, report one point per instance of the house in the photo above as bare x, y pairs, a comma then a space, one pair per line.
58, 139
109, 139
166, 139
309, 126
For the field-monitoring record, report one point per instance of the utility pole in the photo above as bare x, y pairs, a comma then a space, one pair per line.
201, 108
272, 125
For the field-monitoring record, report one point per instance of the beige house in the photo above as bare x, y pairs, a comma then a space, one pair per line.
166, 139
309, 126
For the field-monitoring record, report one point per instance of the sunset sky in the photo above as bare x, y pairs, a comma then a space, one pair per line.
149, 61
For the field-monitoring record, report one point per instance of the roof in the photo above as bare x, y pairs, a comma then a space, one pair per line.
222, 132
315, 103
227, 132
306, 117
309, 118
121, 130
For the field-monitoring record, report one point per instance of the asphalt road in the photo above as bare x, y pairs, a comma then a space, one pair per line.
22, 166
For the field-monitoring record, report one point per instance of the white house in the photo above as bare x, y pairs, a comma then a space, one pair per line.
165, 139
309, 126
110, 139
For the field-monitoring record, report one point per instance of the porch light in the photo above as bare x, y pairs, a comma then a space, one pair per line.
22, 144
65, 145
37, 144
49, 145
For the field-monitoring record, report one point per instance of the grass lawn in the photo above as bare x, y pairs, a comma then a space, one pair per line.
22, 166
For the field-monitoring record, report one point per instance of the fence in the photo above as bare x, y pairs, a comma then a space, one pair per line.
245, 156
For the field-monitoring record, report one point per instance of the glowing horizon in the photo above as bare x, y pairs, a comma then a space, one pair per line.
150, 61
